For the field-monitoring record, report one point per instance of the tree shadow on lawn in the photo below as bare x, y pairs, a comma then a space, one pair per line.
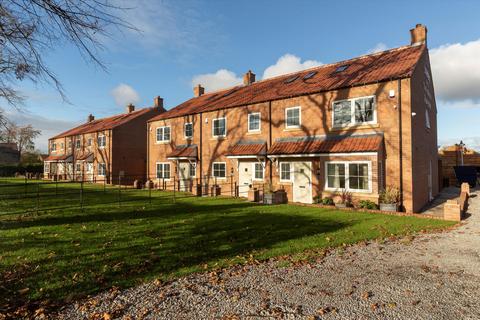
173, 243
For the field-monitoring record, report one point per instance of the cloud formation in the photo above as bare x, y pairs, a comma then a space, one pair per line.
288, 63
123, 94
223, 78
456, 72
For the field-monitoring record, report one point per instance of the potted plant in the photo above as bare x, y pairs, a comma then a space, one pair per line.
389, 199
345, 199
268, 195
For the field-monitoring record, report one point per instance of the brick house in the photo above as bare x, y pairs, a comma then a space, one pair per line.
103, 149
359, 124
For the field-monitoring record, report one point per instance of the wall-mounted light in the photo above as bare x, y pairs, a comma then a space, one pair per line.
391, 93
414, 114
206, 120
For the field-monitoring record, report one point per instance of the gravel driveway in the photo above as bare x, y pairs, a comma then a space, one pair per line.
433, 276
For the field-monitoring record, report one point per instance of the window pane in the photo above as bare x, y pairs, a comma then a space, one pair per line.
188, 130
358, 176
254, 122
219, 127
258, 171
166, 170
293, 117
364, 109
159, 170
192, 170
219, 170
336, 175
342, 113
166, 133
285, 171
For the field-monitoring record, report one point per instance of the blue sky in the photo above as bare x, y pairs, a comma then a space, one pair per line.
190, 41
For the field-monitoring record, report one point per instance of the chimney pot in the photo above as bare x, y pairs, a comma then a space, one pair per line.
130, 108
198, 90
90, 118
418, 34
249, 78
158, 102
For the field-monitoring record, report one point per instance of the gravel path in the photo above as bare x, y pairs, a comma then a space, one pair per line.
433, 276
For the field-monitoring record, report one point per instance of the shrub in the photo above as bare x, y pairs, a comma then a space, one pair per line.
327, 201
390, 195
345, 197
317, 199
367, 204
10, 170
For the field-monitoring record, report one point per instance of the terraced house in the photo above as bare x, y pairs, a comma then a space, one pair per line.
103, 149
359, 125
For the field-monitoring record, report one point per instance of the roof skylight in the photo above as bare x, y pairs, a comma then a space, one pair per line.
291, 79
309, 75
341, 68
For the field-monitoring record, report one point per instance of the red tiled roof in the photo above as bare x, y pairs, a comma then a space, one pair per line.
85, 156
247, 149
365, 143
57, 158
103, 124
184, 152
388, 65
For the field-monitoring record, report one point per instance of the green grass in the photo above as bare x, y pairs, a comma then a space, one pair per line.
66, 253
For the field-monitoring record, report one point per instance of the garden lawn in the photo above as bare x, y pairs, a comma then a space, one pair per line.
62, 254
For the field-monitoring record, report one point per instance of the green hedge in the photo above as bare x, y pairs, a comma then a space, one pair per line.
10, 170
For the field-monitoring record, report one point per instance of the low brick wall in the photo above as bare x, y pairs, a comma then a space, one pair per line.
360, 210
451, 157
455, 210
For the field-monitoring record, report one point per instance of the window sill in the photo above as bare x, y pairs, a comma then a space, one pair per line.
162, 142
249, 133
339, 190
355, 127
292, 129
218, 138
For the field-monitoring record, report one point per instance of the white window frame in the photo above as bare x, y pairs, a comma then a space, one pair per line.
100, 164
194, 166
163, 170
213, 171
78, 167
103, 139
254, 171
280, 171
185, 130
352, 112
78, 143
53, 147
46, 167
163, 134
213, 127
299, 117
89, 167
259, 122
89, 142
347, 176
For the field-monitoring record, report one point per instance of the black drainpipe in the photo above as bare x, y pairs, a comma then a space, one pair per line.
400, 147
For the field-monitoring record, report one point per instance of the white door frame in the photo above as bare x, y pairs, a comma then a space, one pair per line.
309, 178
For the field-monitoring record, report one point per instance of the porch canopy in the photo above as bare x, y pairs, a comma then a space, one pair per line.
184, 152
86, 157
60, 158
248, 150
321, 145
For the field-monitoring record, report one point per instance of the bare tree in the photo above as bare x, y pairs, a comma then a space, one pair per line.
23, 136
30, 28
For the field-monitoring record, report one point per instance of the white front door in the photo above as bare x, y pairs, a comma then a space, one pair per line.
302, 182
184, 174
244, 178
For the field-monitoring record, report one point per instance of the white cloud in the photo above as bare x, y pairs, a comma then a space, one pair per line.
456, 71
288, 63
123, 94
48, 127
459, 104
214, 81
378, 48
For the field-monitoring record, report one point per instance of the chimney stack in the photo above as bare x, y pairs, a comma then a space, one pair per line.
198, 90
90, 118
158, 102
418, 35
130, 108
249, 78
